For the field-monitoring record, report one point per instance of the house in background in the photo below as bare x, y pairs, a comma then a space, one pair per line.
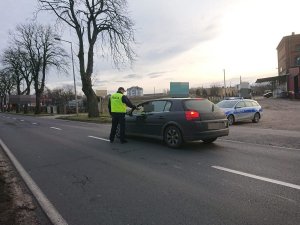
134, 91
287, 82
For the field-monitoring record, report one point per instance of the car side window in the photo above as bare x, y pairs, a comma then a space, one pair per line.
167, 107
249, 104
142, 109
240, 104
148, 107
159, 106
154, 106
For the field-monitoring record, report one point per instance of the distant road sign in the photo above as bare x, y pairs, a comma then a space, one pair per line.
179, 89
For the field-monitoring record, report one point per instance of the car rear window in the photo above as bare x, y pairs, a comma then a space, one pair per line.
200, 105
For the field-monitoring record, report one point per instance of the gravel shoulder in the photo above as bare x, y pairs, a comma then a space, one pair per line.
278, 114
16, 203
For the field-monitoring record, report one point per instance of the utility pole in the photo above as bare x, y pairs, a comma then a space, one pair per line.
224, 84
59, 39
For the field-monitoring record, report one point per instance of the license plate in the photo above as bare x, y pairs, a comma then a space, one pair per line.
214, 126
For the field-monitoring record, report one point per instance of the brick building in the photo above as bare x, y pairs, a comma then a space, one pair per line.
288, 53
287, 83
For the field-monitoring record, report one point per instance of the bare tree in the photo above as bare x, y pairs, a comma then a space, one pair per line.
16, 62
215, 90
93, 19
43, 51
61, 96
7, 86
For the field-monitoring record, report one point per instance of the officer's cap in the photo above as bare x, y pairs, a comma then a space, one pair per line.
121, 89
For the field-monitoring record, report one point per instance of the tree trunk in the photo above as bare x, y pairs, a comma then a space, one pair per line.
92, 100
25, 108
92, 106
17, 108
38, 103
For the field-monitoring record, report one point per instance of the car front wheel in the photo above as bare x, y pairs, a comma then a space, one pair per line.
256, 118
173, 137
230, 120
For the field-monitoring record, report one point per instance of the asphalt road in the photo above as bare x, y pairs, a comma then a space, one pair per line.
250, 177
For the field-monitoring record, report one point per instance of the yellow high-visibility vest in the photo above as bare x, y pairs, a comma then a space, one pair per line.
116, 103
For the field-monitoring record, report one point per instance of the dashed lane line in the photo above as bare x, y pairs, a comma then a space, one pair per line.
103, 139
55, 128
46, 205
258, 177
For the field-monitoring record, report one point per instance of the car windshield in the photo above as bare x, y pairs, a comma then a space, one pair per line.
227, 104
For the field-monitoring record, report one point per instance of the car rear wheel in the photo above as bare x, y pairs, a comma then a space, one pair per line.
256, 118
173, 137
209, 140
230, 120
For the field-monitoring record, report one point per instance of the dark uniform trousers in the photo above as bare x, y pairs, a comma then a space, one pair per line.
117, 118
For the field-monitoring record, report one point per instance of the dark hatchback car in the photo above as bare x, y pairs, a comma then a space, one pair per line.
177, 120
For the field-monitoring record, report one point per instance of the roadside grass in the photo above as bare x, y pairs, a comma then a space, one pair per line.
28, 114
83, 117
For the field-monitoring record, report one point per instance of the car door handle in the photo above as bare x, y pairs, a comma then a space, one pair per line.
161, 117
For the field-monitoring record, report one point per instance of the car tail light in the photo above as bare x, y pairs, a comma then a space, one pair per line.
190, 115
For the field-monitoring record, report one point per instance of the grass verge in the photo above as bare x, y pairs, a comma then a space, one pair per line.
85, 118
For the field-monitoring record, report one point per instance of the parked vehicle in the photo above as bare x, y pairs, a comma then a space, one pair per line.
268, 94
177, 120
241, 110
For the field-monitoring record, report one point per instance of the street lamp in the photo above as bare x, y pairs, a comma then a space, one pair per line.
224, 84
59, 39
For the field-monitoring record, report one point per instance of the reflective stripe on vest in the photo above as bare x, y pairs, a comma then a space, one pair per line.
116, 103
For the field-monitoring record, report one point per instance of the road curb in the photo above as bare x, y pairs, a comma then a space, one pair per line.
43, 201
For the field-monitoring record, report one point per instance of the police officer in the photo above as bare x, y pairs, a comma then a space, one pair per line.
117, 108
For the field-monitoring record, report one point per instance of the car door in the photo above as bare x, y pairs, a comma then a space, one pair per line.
149, 119
249, 110
133, 125
154, 117
139, 121
239, 111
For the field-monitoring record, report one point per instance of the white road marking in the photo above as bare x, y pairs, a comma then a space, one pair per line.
46, 205
103, 139
258, 177
275, 146
22, 120
288, 199
34, 123
55, 128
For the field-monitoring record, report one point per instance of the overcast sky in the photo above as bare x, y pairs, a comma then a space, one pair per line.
185, 41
